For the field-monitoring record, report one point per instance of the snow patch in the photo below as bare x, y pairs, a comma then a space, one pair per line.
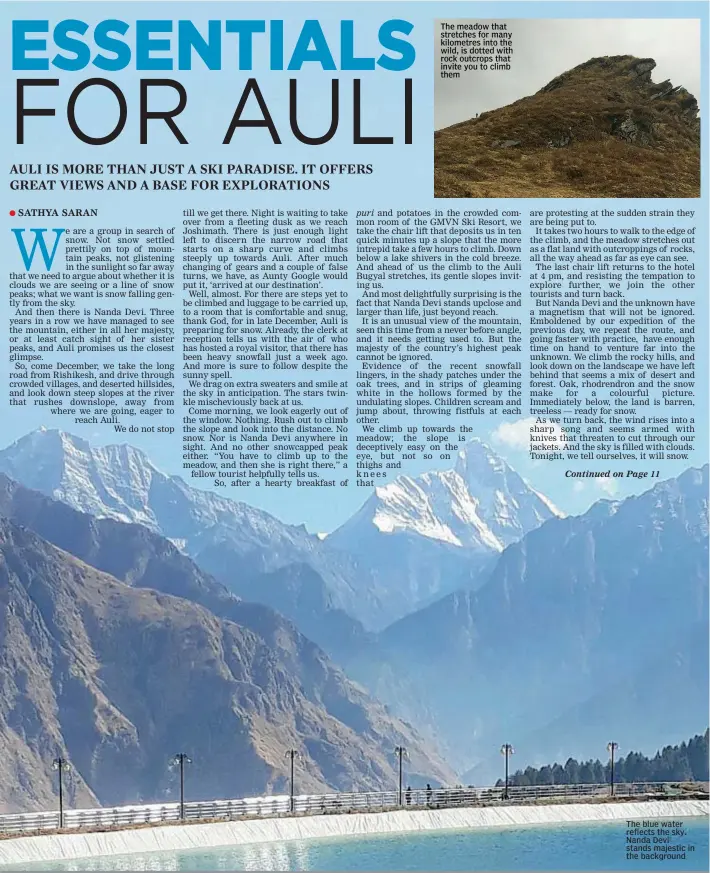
481, 504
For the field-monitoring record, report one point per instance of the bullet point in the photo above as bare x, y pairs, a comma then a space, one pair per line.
12, 212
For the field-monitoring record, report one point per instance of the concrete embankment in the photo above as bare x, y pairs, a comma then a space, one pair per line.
170, 838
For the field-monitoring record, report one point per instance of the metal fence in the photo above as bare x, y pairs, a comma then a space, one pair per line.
319, 804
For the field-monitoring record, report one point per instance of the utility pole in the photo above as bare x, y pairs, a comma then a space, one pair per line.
181, 759
292, 754
611, 748
506, 750
60, 764
400, 752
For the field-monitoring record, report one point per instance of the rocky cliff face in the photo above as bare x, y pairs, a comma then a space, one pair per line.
247, 549
602, 129
118, 675
637, 110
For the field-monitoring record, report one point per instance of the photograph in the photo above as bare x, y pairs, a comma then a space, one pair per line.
567, 108
343, 528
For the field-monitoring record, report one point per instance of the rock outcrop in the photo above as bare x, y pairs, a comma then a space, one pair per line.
602, 129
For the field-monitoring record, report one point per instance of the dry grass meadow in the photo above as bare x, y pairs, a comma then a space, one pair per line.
600, 130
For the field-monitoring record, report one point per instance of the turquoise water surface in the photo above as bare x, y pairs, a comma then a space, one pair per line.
599, 846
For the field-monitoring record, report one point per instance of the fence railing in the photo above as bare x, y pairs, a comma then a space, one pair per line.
316, 804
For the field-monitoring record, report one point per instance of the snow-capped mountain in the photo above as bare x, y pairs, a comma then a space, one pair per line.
481, 504
413, 540
237, 543
433, 533
114, 645
121, 482
580, 629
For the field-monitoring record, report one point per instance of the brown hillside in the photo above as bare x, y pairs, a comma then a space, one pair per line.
117, 679
602, 129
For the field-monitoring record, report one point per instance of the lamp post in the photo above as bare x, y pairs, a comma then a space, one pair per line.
181, 759
506, 750
611, 748
401, 753
292, 754
60, 764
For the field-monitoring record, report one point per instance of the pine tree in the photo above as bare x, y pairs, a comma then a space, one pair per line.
686, 762
698, 757
558, 775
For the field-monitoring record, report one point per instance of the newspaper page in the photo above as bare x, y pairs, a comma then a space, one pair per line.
353, 473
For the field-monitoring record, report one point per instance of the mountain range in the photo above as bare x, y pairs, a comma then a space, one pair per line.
434, 533
412, 541
116, 651
249, 550
566, 641
463, 600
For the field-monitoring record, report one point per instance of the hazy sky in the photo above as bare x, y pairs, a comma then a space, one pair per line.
544, 48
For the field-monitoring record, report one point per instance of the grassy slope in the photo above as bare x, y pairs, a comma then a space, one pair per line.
588, 102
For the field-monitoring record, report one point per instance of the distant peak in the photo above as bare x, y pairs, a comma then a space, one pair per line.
69, 441
477, 458
474, 445
40, 438
49, 435
481, 502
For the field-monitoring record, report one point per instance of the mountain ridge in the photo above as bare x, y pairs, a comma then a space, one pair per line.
122, 482
601, 129
443, 529
94, 635
338, 589
552, 623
